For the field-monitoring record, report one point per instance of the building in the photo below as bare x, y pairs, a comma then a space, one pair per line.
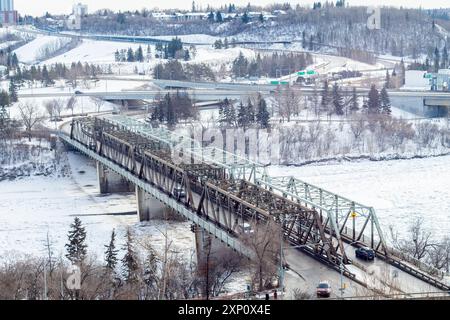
80, 9
7, 13
78, 12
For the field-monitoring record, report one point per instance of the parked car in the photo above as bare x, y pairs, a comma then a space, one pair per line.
365, 253
78, 92
179, 193
323, 290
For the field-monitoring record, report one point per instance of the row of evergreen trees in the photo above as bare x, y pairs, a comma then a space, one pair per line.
246, 115
174, 107
275, 65
130, 55
48, 74
377, 102
76, 252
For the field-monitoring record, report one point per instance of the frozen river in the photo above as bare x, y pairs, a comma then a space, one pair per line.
399, 190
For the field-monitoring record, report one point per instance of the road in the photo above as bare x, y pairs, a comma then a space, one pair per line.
239, 91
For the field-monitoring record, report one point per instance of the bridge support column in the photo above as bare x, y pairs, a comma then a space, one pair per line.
149, 208
110, 182
207, 247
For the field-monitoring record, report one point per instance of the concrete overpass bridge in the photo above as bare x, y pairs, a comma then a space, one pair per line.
422, 103
223, 192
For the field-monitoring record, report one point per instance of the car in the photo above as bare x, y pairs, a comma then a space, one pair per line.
365, 253
246, 228
179, 193
78, 92
323, 290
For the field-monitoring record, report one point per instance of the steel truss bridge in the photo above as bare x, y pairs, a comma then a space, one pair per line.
224, 191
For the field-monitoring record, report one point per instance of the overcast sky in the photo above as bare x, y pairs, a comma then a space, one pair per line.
38, 7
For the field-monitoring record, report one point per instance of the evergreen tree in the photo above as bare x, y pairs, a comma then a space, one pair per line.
304, 44
261, 18
211, 17
325, 102
263, 115
187, 55
245, 18
150, 276
385, 102
218, 44
111, 253
130, 55
242, 119
130, 264
240, 65
444, 63
403, 72
250, 112
387, 83
338, 101
226, 45
139, 54
4, 99
374, 104
46, 77
354, 105
76, 248
437, 59
219, 17
117, 56
171, 116
12, 91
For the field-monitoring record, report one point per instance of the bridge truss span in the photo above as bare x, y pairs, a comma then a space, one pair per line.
222, 192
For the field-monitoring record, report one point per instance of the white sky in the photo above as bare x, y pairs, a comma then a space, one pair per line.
39, 7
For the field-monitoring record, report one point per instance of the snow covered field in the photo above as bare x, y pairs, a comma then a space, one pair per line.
399, 190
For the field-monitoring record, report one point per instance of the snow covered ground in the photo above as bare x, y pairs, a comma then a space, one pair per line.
97, 52
39, 48
399, 190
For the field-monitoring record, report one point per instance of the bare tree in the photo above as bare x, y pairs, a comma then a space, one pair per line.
98, 104
266, 247
30, 115
71, 103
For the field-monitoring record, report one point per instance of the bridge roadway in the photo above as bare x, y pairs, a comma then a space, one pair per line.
219, 203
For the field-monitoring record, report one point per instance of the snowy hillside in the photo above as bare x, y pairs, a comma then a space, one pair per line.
40, 48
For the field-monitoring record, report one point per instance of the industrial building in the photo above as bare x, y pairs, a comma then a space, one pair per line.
8, 15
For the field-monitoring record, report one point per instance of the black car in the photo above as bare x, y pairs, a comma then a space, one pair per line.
78, 92
179, 193
365, 253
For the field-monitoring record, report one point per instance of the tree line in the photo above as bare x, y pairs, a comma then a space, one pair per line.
275, 65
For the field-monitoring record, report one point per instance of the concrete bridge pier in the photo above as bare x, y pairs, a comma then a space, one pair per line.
149, 208
208, 248
110, 182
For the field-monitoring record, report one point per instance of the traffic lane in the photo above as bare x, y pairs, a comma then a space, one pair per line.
388, 274
314, 272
